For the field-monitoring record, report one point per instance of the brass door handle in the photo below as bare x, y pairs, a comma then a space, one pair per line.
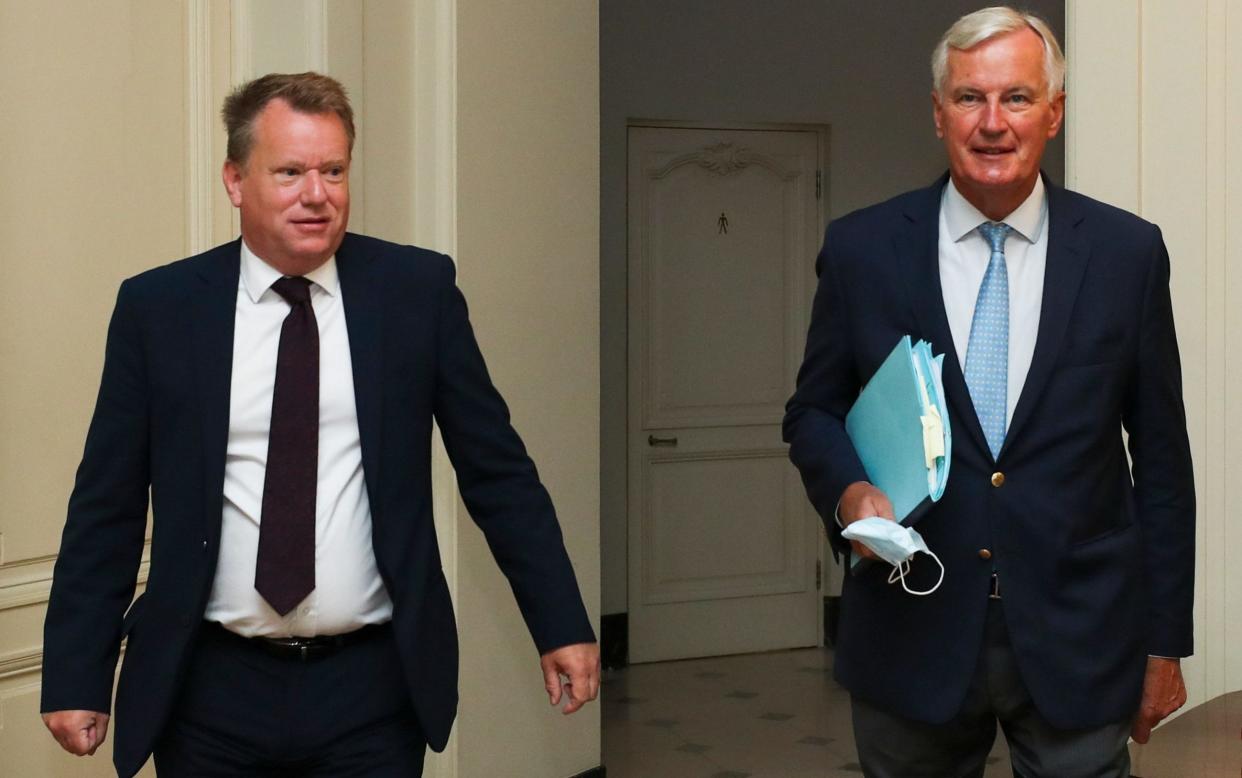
652, 440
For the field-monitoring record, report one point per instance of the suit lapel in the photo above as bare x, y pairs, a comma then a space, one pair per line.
361, 294
213, 312
917, 243
1068, 253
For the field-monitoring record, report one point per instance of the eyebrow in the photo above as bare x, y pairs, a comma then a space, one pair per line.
299, 164
1010, 90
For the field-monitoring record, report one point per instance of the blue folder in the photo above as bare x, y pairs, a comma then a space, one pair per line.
899, 426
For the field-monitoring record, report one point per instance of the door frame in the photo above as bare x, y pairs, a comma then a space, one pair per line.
827, 578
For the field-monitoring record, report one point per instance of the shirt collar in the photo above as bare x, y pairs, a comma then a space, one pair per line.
1027, 219
257, 276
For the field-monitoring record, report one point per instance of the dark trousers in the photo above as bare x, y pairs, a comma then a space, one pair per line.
890, 746
244, 712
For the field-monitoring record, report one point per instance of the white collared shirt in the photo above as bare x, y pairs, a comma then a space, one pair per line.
964, 257
348, 590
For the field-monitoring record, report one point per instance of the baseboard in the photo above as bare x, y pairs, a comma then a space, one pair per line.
594, 772
832, 619
614, 641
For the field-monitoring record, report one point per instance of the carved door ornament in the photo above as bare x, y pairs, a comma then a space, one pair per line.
723, 159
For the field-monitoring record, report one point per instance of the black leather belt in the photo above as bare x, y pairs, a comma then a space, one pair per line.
994, 588
303, 649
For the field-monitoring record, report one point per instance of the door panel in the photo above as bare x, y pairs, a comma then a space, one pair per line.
723, 225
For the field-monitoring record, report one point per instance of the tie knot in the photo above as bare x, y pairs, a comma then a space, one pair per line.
295, 289
995, 233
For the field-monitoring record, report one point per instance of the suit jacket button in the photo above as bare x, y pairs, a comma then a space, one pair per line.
998, 479
985, 554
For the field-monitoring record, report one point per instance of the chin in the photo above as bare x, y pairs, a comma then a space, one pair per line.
993, 179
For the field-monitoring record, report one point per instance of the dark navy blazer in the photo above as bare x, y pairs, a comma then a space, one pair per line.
161, 424
1095, 561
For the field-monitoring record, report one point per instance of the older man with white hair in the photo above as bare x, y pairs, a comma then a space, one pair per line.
1068, 567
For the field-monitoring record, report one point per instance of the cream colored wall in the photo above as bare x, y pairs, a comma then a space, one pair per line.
112, 167
528, 251
1155, 103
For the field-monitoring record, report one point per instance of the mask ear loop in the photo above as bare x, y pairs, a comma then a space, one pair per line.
899, 573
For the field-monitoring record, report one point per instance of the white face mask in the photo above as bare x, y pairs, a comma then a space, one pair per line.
894, 544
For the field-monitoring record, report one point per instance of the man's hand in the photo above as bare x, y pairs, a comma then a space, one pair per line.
580, 662
79, 732
860, 501
1164, 691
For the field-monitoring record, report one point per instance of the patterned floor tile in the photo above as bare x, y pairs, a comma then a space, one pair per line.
680, 720
815, 740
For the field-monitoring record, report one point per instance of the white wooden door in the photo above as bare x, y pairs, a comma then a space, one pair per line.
723, 547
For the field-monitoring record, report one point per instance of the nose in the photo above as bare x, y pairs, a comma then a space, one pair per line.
993, 119
313, 190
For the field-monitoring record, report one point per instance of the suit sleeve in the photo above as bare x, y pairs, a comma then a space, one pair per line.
94, 577
1155, 418
499, 482
814, 425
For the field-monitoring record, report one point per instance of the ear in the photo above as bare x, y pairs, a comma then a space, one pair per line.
1058, 114
232, 176
937, 114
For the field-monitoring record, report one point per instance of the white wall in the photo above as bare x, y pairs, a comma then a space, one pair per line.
1155, 107
861, 68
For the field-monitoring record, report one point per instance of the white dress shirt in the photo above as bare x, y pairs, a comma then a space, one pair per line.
348, 590
964, 257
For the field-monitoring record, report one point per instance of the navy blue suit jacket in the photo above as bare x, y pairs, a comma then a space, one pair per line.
161, 426
1096, 562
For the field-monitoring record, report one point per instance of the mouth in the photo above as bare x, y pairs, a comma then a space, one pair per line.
993, 151
311, 224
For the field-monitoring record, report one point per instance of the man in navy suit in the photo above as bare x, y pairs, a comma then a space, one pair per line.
274, 397
1067, 592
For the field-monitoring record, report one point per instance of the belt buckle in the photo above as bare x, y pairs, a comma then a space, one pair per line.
304, 648
294, 647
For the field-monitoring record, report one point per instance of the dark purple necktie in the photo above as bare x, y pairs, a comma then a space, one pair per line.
285, 568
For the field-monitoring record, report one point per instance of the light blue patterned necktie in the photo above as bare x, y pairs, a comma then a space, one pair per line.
987, 353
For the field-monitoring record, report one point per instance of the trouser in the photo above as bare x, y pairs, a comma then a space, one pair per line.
890, 746
246, 711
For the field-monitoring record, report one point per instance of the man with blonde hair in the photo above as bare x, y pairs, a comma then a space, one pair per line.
1068, 572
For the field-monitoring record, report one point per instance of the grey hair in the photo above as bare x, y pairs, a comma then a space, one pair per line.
987, 23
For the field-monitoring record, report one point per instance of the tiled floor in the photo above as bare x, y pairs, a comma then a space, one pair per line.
776, 715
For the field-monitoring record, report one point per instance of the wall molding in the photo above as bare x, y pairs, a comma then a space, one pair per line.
435, 124
29, 581
316, 15
434, 62
26, 582
20, 663
199, 126
241, 29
